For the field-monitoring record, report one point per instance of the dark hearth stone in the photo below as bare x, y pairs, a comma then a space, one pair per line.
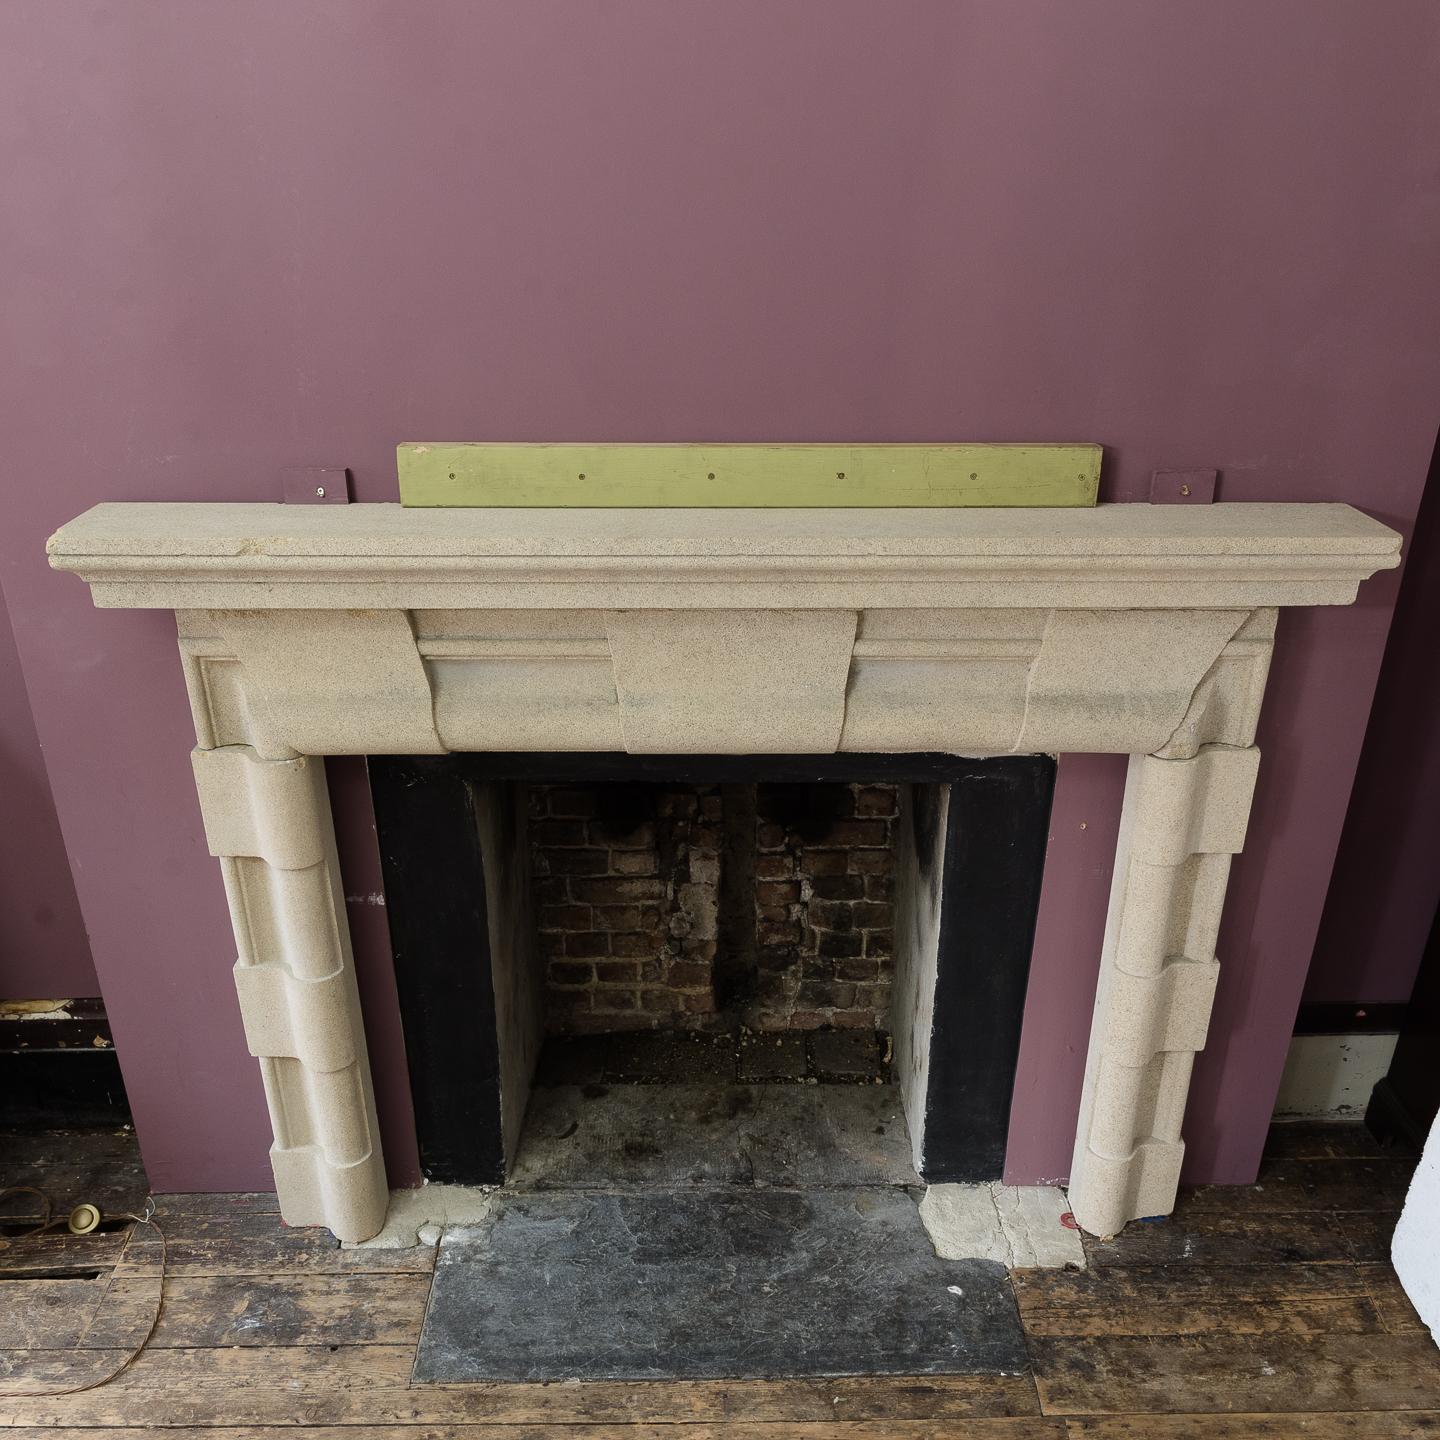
773, 1056
847, 1055
637, 1057
626, 1285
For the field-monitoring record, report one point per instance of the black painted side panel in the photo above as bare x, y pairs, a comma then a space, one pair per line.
439, 931
995, 840
1404, 1104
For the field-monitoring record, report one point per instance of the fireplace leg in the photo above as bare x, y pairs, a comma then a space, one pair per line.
269, 823
1183, 820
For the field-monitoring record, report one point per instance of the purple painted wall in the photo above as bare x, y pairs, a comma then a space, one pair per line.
1386, 884
273, 234
44, 954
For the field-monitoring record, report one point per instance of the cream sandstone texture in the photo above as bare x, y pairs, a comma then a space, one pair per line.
1132, 629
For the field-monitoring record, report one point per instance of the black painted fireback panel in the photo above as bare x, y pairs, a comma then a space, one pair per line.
440, 937
435, 897
995, 835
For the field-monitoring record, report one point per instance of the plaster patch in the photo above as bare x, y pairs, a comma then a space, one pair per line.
417, 1217
1022, 1226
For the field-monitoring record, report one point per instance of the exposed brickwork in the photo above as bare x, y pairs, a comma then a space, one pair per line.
628, 890
626, 878
824, 906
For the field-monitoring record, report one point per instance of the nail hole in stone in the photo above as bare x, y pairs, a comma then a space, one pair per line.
974, 474
711, 475
839, 474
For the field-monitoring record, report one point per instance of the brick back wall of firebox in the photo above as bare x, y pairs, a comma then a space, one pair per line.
700, 906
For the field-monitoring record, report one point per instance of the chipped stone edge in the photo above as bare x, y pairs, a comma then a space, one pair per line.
1021, 1226
420, 1217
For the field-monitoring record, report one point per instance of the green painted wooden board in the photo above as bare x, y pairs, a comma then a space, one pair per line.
833, 476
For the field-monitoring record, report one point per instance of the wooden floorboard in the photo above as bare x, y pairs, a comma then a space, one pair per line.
203, 1311
1367, 1234
1391, 1302
369, 1386
256, 1242
34, 1256
1329, 1425
1312, 1426
99, 1166
1201, 1238
1226, 1373
1220, 1299
1198, 1373
1310, 1185
1253, 1313
49, 1313
1028, 1428
1329, 1140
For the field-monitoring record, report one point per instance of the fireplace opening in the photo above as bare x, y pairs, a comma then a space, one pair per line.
694, 968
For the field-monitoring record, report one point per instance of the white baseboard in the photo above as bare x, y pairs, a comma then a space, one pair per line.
1332, 1074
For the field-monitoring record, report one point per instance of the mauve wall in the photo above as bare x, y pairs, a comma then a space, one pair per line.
44, 954
1386, 884
265, 234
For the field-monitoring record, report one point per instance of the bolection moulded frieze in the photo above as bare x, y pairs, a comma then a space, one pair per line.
308, 631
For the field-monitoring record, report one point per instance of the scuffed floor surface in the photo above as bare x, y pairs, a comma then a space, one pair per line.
710, 1284
1256, 1312
600, 1136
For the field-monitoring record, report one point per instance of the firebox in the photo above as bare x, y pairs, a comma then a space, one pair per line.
580, 914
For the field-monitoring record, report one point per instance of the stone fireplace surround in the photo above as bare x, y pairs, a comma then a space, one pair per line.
314, 631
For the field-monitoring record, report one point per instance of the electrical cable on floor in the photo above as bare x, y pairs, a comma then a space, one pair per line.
81, 1221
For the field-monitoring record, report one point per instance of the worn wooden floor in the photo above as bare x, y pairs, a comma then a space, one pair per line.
1265, 1312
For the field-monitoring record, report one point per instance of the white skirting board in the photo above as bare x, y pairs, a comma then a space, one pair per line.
1332, 1074
1415, 1250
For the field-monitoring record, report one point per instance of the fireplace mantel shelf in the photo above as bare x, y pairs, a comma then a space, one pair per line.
309, 631
252, 556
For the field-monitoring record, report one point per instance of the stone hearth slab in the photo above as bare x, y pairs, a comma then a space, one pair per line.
599, 1136
709, 1284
